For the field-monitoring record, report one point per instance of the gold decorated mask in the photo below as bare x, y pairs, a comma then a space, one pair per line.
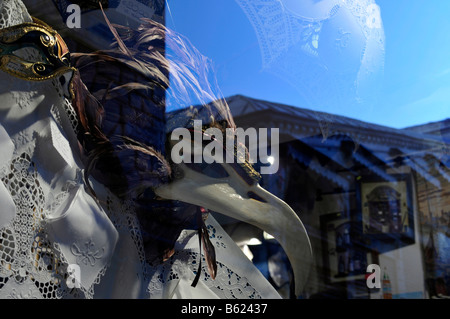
54, 54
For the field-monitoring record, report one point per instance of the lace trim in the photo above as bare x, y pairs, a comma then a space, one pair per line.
123, 217
13, 13
31, 266
27, 257
227, 285
184, 264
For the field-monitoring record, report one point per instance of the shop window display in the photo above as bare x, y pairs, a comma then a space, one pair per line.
312, 200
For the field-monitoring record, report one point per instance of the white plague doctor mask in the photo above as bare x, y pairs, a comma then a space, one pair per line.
233, 190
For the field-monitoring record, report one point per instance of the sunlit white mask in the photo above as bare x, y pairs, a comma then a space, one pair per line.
231, 190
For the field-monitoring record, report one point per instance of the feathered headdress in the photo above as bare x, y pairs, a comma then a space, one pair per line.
121, 96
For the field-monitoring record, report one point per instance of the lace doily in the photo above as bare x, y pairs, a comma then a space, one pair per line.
129, 276
38, 174
12, 13
335, 59
237, 277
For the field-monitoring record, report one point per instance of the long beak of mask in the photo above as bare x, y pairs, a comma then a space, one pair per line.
225, 189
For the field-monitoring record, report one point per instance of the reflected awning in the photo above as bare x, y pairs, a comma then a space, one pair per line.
373, 168
309, 158
333, 149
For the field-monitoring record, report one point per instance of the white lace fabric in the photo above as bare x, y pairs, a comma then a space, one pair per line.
13, 12
237, 277
35, 179
49, 223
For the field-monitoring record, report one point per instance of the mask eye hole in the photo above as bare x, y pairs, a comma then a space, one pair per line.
66, 60
45, 39
252, 195
213, 170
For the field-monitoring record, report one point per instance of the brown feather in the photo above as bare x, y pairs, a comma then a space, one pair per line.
122, 46
142, 68
210, 253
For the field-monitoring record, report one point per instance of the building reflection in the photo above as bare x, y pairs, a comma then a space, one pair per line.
367, 194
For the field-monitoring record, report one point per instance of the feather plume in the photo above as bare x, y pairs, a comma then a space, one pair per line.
121, 100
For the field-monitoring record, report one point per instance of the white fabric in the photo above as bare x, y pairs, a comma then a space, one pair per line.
128, 276
13, 12
56, 241
85, 235
48, 221
236, 276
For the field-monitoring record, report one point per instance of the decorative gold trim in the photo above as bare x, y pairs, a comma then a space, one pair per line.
26, 70
15, 32
52, 46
